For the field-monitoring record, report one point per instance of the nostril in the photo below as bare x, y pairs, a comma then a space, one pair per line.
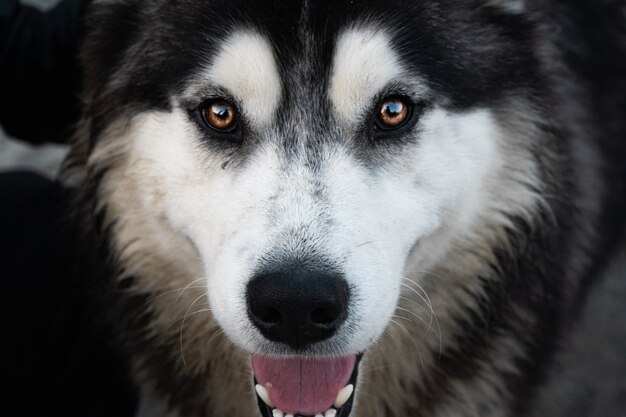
269, 315
297, 306
324, 316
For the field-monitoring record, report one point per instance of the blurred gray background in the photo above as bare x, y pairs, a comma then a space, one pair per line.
44, 159
17, 155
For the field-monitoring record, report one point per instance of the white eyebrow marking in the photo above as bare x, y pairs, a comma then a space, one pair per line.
364, 63
246, 67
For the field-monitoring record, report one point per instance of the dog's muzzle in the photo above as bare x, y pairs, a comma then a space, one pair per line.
299, 307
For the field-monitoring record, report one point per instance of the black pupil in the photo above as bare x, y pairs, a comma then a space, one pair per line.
393, 108
222, 111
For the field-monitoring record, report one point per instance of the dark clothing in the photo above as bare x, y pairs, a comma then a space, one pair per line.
55, 360
39, 70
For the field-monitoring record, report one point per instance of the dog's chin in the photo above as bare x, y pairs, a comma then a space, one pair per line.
305, 386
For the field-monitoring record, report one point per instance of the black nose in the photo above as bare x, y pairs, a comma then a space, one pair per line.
296, 306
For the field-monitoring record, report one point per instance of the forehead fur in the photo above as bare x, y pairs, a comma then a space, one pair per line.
245, 66
364, 62
132, 64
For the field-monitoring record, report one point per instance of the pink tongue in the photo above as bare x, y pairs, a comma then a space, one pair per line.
305, 386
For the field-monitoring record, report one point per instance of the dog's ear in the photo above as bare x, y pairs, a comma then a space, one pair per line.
509, 6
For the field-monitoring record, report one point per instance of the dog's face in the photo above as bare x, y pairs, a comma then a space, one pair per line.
303, 163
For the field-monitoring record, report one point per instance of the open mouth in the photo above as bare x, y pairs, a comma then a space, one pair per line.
305, 386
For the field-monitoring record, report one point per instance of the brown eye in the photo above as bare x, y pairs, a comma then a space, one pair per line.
393, 112
220, 115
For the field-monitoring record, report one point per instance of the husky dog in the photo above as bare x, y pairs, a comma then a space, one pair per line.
349, 207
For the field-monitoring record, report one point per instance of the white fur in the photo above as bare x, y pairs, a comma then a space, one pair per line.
364, 64
379, 217
246, 67
198, 220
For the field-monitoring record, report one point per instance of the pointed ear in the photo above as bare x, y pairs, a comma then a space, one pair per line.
510, 6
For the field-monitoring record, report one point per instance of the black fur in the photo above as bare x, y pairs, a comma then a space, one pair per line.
472, 55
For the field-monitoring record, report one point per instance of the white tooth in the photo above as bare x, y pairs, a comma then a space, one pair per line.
262, 391
277, 413
330, 413
343, 395
318, 415
288, 415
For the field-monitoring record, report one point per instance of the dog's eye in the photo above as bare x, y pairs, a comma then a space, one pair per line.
392, 113
220, 115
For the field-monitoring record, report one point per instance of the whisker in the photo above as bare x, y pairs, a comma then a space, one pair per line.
429, 324
424, 297
188, 286
416, 303
182, 327
366, 243
412, 339
172, 291
410, 336
427, 300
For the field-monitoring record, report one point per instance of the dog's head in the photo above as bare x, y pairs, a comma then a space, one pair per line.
306, 164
